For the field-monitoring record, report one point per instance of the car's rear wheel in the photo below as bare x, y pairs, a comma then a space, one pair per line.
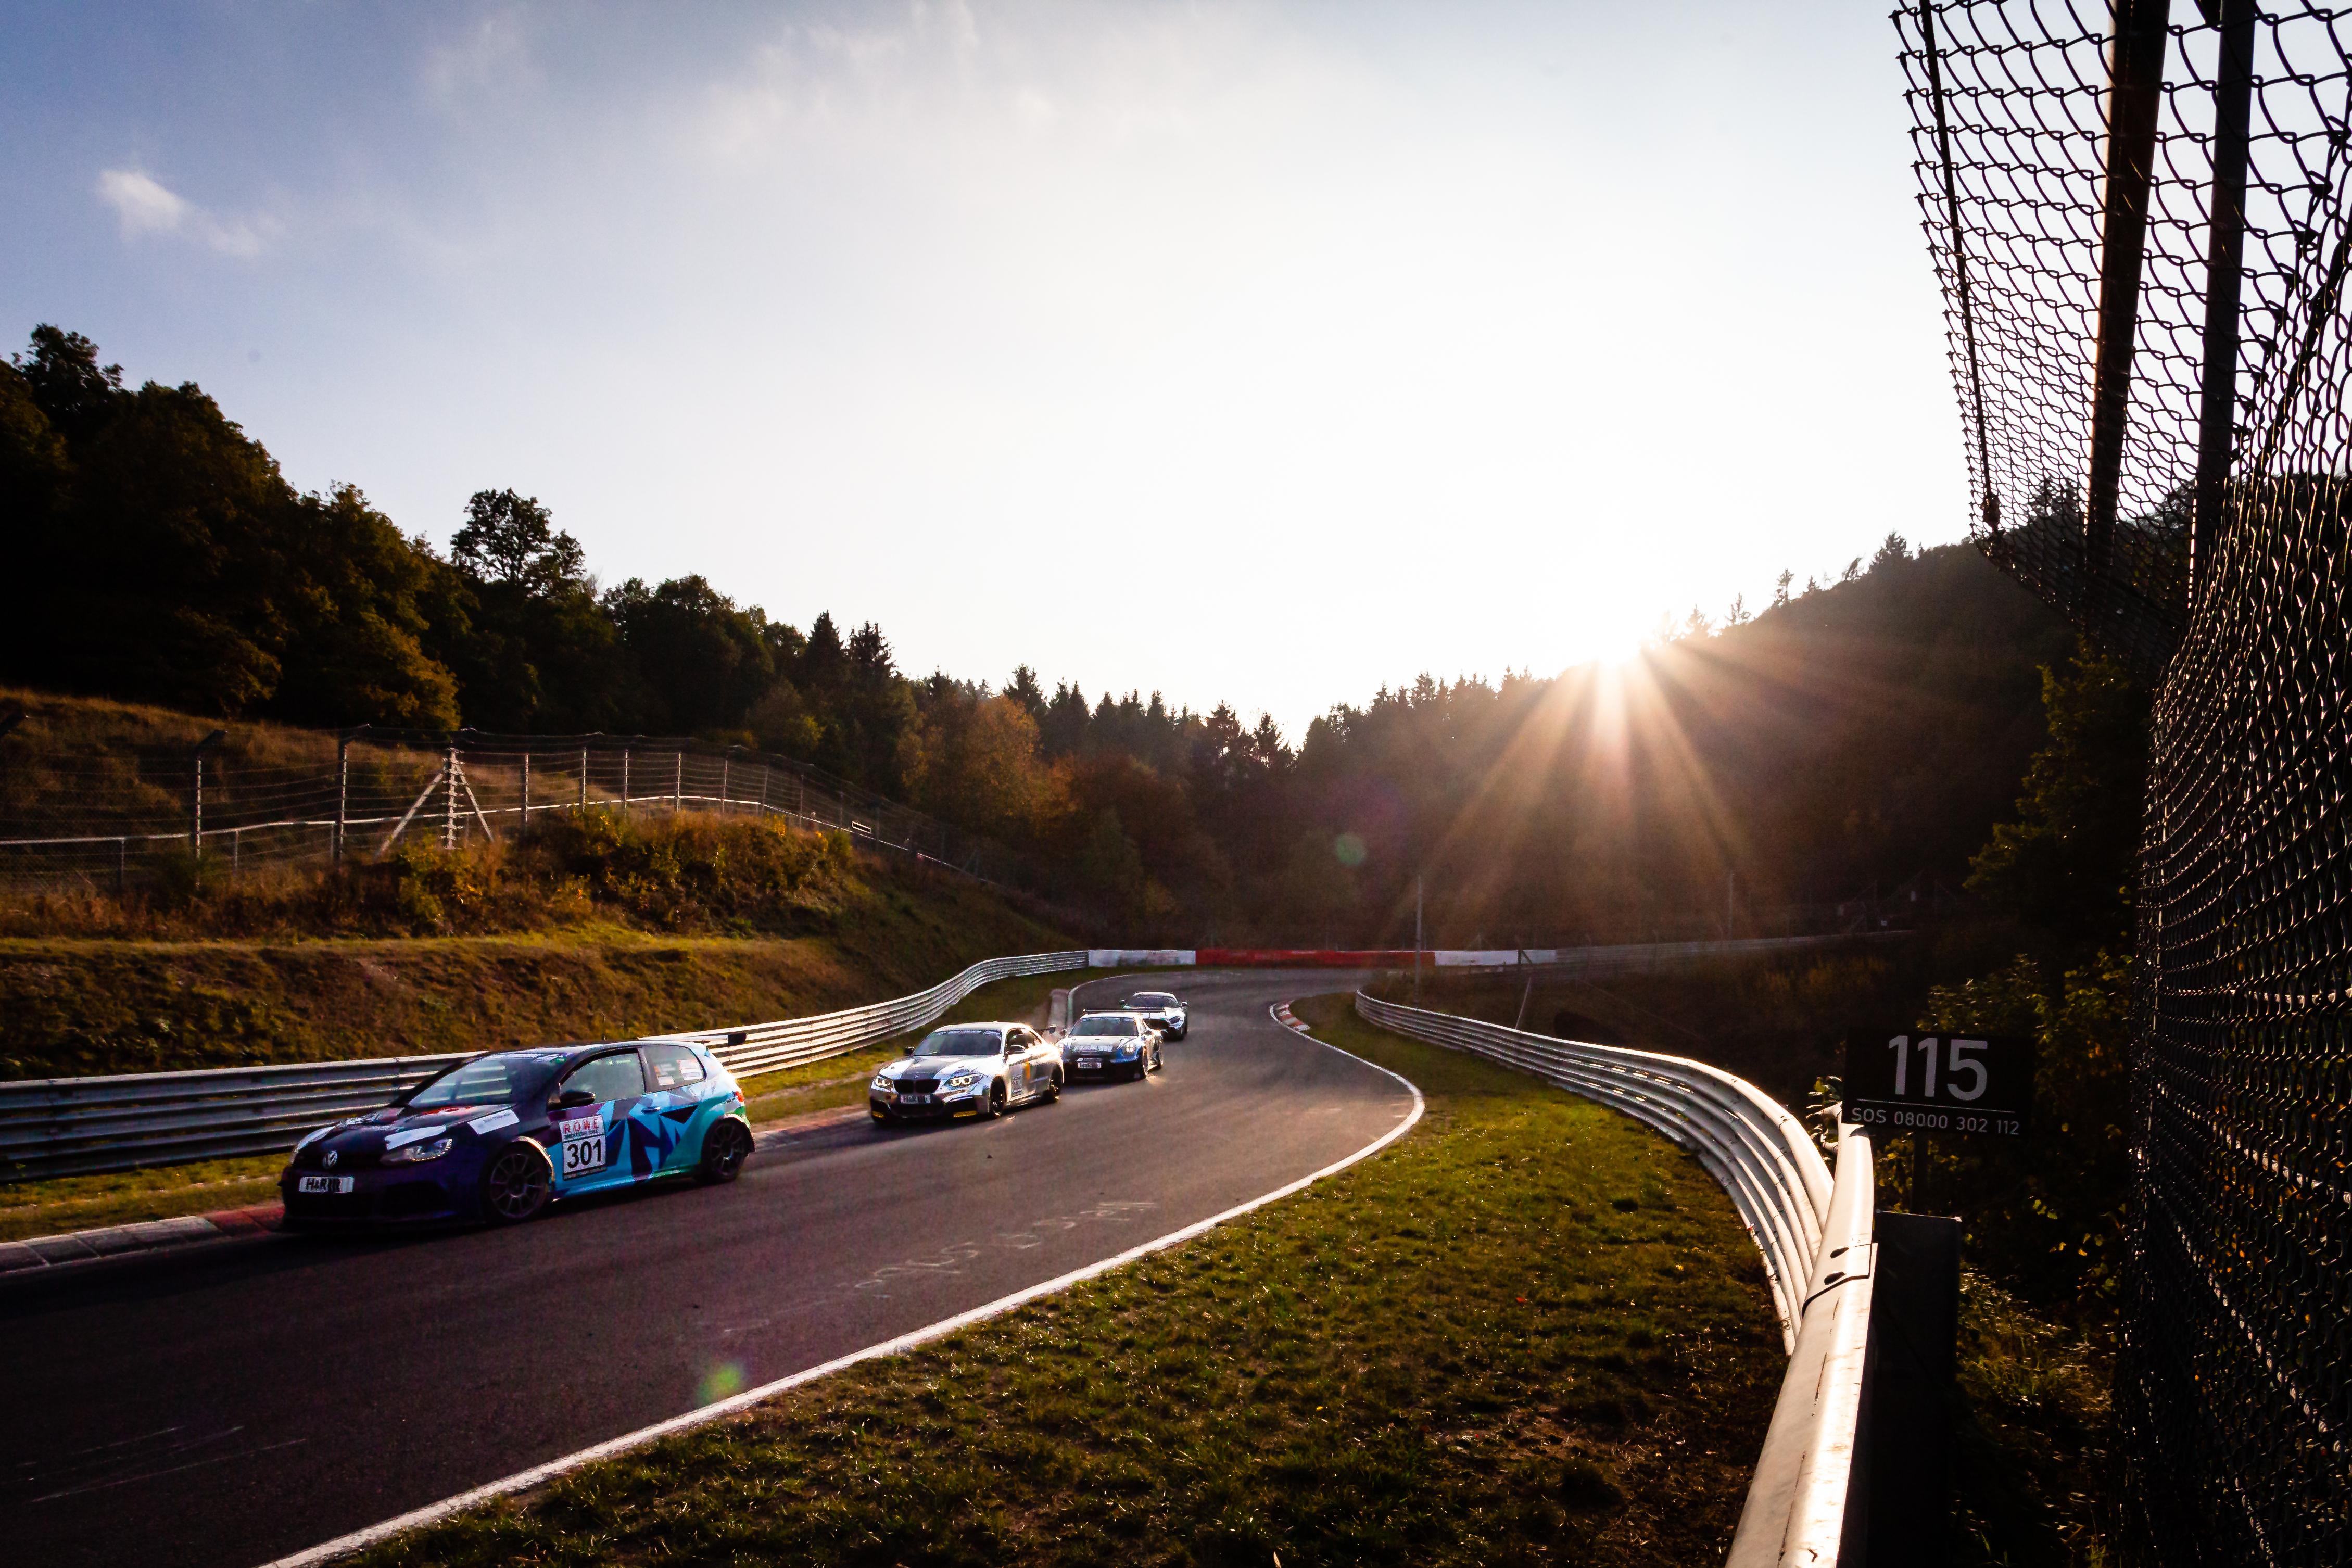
724, 1149
516, 1184
1053, 1089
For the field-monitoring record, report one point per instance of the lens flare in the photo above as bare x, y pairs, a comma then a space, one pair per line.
1349, 849
720, 1381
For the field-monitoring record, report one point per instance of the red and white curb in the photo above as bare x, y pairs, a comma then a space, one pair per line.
1287, 1019
146, 1236
343, 1546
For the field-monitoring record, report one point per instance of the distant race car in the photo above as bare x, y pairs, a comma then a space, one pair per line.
1161, 1009
968, 1069
497, 1138
1108, 1044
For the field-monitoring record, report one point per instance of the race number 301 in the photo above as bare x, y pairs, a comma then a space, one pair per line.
1957, 1084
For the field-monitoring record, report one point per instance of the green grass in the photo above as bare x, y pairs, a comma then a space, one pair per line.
85, 1203
2036, 1441
1530, 1331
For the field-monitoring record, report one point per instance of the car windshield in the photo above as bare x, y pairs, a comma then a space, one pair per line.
1108, 1023
1155, 999
959, 1043
502, 1078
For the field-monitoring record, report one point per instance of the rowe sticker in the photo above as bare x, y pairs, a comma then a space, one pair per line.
1957, 1084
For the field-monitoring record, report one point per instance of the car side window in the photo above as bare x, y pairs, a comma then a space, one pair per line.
614, 1076
672, 1067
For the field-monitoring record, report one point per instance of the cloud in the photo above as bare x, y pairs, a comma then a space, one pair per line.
144, 206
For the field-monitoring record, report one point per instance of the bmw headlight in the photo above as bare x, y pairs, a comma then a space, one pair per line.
963, 1080
417, 1153
881, 1084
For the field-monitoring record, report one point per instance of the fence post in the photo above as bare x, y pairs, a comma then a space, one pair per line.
449, 798
524, 825
2135, 94
584, 778
2234, 98
726, 777
624, 778
764, 770
196, 801
678, 783
342, 791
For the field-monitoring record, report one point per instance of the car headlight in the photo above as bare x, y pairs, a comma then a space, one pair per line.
881, 1085
1127, 1050
963, 1080
417, 1153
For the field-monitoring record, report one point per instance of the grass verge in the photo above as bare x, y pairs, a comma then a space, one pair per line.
2035, 1447
1530, 1332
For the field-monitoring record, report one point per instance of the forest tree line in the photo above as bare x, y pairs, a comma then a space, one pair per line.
1856, 735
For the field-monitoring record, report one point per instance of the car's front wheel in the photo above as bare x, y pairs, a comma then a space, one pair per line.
724, 1149
995, 1105
516, 1183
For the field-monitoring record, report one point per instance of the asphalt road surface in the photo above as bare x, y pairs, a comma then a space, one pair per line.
229, 1405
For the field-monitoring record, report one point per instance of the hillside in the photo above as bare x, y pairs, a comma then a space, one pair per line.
857, 929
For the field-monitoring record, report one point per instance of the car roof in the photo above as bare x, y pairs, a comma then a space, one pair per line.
982, 1024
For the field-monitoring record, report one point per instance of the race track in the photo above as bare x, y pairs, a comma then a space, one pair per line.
225, 1406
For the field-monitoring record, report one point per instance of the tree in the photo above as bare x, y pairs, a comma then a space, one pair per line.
1024, 689
1781, 587
76, 393
2068, 865
704, 660
511, 539
1893, 551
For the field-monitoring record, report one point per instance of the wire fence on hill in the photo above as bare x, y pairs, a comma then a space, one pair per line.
2142, 220
108, 822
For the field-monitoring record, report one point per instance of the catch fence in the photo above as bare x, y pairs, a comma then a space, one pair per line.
110, 821
2142, 220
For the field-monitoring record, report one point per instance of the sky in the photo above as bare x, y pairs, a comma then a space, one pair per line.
1267, 353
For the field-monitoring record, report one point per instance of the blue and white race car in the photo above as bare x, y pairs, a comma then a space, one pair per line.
497, 1138
1111, 1045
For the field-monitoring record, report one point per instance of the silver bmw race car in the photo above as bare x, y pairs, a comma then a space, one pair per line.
1163, 1010
968, 1069
1111, 1045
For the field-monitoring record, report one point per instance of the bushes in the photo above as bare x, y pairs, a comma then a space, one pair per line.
691, 874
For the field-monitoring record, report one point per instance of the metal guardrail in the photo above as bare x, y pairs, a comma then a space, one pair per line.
122, 1122
792, 1042
1815, 1235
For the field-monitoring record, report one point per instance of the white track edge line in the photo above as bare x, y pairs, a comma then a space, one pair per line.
359, 1540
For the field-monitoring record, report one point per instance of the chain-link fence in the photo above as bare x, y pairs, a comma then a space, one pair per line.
2142, 225
113, 819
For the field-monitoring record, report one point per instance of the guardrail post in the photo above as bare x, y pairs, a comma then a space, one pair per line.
584, 778
624, 778
678, 783
524, 825
1899, 1500
726, 777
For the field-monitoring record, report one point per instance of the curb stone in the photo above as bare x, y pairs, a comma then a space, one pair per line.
144, 1235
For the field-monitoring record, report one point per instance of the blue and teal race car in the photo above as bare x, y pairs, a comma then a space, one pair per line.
498, 1137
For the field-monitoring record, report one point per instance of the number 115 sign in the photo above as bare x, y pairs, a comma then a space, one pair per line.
1965, 1085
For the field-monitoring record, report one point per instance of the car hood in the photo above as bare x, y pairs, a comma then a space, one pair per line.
1100, 1043
936, 1067
395, 1127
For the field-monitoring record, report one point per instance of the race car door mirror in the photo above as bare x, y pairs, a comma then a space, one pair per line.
571, 1098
